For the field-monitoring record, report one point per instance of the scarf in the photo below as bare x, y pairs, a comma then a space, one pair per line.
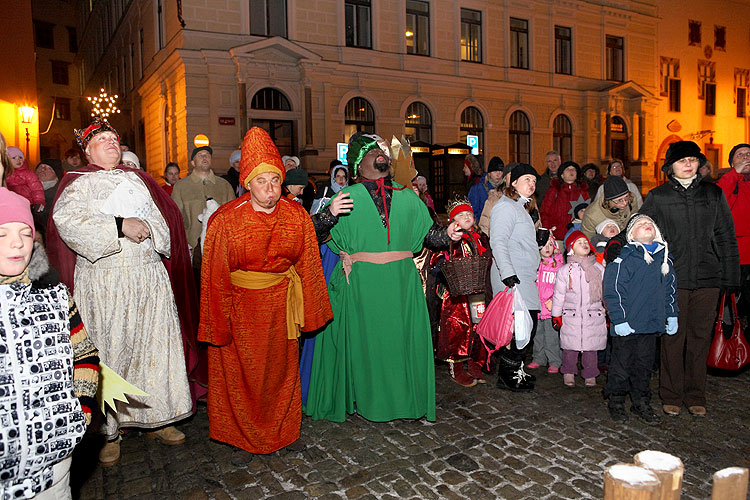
592, 274
474, 235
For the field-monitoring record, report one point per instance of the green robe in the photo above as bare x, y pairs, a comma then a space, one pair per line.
376, 356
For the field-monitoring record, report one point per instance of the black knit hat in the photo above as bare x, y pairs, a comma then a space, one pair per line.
496, 164
578, 208
614, 187
295, 177
569, 164
55, 165
682, 149
202, 148
522, 169
589, 166
734, 150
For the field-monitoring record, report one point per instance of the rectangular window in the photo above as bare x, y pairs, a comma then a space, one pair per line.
358, 23
615, 58
62, 108
140, 54
471, 35
44, 35
674, 95
694, 33
60, 72
710, 99
72, 39
417, 27
720, 38
741, 102
268, 18
519, 43
563, 50
159, 24
706, 74
132, 63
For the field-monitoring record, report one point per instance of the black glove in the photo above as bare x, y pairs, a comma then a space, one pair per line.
511, 281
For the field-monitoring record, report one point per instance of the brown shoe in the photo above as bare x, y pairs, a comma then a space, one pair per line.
475, 370
110, 454
459, 375
697, 411
671, 410
167, 435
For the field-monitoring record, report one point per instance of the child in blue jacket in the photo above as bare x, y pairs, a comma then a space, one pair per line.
640, 292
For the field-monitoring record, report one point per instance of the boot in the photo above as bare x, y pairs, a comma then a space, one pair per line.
512, 377
110, 454
475, 370
616, 407
643, 410
459, 375
167, 435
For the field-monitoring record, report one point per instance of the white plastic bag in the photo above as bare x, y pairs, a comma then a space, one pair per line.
521, 321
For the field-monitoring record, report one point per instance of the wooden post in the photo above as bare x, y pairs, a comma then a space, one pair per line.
668, 468
630, 482
730, 484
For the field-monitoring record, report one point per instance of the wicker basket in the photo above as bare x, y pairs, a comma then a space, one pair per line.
466, 275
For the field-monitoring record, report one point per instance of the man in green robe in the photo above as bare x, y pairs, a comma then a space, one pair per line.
376, 356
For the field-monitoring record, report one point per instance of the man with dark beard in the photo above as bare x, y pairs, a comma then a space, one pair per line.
376, 356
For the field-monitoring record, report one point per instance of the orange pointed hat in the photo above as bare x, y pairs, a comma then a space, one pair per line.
259, 155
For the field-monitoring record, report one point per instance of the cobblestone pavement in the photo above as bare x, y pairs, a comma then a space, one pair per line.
487, 443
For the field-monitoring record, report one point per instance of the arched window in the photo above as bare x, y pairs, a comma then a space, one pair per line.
562, 137
520, 137
280, 126
472, 123
358, 117
270, 99
418, 123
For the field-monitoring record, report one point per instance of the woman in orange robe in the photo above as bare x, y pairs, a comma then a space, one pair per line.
254, 400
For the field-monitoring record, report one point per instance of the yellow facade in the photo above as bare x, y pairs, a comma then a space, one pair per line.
202, 78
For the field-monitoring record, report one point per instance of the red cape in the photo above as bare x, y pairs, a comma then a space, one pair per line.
178, 266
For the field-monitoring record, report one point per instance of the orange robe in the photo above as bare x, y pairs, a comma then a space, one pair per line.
254, 400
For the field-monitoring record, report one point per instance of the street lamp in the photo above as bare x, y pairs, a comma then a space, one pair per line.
27, 115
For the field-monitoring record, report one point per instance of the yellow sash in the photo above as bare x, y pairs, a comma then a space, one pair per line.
295, 305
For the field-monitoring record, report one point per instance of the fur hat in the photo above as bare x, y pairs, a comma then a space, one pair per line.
569, 164
658, 238
259, 155
286, 158
522, 169
15, 208
572, 238
734, 150
682, 149
496, 164
131, 157
98, 125
614, 187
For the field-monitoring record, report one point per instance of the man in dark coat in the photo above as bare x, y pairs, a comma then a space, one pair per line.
697, 223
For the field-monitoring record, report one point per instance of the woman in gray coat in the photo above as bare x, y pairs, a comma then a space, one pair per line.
515, 264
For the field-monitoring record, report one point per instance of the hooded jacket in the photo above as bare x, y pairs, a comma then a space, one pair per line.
697, 224
637, 292
24, 181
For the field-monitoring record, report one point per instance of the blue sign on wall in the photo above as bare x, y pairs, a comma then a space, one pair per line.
341, 150
473, 143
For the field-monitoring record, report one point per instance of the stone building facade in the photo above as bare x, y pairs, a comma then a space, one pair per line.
524, 77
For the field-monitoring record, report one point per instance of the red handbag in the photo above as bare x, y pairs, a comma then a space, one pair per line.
728, 353
496, 325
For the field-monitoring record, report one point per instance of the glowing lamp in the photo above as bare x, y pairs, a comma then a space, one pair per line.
200, 140
27, 114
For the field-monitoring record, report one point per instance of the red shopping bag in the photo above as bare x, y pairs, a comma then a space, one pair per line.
496, 325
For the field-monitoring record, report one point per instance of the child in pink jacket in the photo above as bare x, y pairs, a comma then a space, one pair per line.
24, 181
547, 340
578, 311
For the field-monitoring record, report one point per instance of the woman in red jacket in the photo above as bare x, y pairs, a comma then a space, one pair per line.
563, 195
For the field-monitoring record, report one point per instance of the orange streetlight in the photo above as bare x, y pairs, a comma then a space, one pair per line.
200, 140
27, 116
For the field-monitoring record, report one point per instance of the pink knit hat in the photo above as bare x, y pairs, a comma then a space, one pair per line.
15, 208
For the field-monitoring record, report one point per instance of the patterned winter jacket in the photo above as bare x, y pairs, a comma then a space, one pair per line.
49, 371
